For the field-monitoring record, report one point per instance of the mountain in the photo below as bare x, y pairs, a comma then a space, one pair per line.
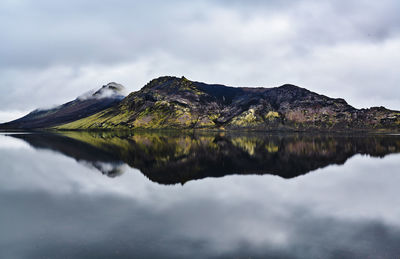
172, 102
83, 106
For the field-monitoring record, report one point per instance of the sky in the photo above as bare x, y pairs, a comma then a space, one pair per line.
54, 51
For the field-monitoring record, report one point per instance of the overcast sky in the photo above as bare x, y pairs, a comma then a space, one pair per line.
53, 51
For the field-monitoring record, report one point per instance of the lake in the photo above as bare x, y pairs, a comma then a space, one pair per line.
199, 195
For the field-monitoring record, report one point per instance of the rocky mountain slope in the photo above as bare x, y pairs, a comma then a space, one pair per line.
171, 102
83, 106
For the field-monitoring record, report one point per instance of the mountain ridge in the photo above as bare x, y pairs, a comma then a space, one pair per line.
177, 103
170, 102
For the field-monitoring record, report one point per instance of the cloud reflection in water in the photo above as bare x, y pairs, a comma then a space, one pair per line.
59, 208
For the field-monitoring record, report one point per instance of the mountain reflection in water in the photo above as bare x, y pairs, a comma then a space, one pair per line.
171, 158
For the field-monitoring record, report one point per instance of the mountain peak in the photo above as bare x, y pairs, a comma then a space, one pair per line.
290, 87
162, 79
110, 89
168, 83
115, 86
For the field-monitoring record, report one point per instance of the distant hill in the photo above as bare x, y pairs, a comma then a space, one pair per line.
178, 103
83, 106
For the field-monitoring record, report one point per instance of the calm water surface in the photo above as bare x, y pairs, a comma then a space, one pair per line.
153, 195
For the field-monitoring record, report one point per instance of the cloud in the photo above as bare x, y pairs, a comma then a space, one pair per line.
54, 52
78, 212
